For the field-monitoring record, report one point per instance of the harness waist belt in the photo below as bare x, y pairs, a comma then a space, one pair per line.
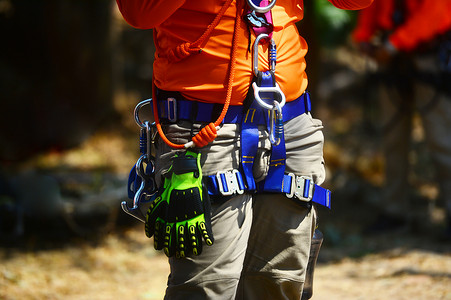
173, 107
299, 187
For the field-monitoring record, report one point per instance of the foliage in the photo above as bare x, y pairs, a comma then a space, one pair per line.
332, 25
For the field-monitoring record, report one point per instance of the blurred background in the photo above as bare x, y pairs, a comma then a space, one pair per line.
71, 73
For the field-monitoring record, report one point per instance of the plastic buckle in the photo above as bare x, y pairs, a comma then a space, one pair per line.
301, 187
172, 109
228, 183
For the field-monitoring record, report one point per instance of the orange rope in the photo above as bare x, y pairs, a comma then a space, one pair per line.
184, 50
209, 132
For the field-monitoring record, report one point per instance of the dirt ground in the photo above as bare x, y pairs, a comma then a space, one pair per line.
123, 265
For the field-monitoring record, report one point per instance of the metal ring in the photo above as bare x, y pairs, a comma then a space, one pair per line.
136, 113
263, 9
275, 89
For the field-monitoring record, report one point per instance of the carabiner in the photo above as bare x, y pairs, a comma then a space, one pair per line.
272, 58
263, 9
136, 112
275, 135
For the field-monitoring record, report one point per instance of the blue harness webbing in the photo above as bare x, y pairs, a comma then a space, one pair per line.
173, 107
276, 171
299, 187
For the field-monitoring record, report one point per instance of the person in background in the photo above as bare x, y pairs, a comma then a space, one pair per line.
230, 80
411, 42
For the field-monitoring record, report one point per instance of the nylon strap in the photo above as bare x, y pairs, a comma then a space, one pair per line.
249, 143
276, 171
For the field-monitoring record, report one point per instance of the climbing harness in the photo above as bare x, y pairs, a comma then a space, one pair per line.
267, 107
141, 187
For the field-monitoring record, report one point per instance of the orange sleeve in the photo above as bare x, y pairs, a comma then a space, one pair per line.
366, 24
147, 14
377, 16
351, 4
429, 20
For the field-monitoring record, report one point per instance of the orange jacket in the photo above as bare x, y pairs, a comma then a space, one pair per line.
423, 21
203, 76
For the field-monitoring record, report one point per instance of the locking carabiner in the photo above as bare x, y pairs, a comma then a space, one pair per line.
261, 9
276, 124
138, 108
272, 54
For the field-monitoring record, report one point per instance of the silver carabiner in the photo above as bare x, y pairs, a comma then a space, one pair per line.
263, 9
275, 135
136, 112
255, 52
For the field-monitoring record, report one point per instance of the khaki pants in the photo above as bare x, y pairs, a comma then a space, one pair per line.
262, 241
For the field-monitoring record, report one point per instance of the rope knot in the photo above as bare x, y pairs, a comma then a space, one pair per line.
181, 52
205, 136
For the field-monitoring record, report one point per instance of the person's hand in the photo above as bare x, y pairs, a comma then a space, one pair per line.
179, 219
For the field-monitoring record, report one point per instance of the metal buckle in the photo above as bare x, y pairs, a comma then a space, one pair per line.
172, 106
228, 179
298, 187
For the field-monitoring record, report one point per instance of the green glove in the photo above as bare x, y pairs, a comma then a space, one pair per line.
180, 217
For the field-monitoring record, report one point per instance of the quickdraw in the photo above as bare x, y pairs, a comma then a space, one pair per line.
142, 188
